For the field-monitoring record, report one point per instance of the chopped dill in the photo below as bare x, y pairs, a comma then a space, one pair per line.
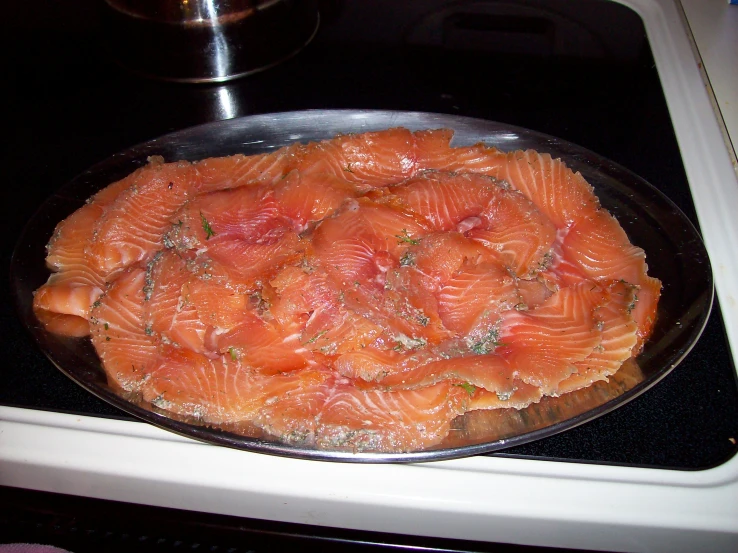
480, 348
206, 227
470, 388
315, 338
405, 237
487, 344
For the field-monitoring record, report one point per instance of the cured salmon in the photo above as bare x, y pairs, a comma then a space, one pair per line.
63, 303
358, 293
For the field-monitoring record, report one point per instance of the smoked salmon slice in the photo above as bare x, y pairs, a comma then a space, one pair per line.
132, 226
126, 346
169, 311
491, 372
358, 293
370, 159
544, 344
215, 391
378, 420
434, 152
619, 335
477, 293
247, 213
560, 194
522, 235
225, 173
599, 247
242, 264
444, 200
309, 198
262, 346
66, 298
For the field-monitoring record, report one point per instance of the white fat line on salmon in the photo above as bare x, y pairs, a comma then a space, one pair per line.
468, 224
313, 315
294, 337
561, 234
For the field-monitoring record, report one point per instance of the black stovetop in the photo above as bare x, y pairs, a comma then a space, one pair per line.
579, 70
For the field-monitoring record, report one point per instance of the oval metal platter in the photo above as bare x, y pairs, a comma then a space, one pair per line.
674, 250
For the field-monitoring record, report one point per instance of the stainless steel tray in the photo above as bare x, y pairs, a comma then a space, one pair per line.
674, 250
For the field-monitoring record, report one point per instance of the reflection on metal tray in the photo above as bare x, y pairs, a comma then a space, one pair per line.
673, 247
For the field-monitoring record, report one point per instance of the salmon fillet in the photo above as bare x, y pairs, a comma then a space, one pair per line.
357, 293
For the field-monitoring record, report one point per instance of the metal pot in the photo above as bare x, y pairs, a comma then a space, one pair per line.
207, 40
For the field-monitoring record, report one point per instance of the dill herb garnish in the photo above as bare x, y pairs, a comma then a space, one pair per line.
470, 388
315, 338
206, 227
405, 237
